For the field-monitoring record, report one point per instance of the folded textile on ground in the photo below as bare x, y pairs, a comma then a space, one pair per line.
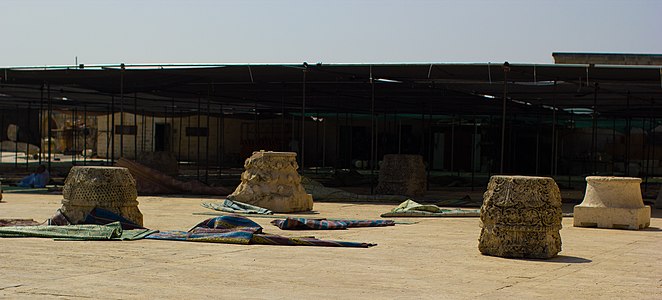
112, 231
18, 222
324, 224
411, 208
236, 229
97, 216
231, 206
100, 216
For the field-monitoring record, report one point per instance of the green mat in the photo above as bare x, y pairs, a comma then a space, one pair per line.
411, 208
112, 231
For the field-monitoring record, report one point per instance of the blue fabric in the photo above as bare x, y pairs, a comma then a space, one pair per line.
35, 180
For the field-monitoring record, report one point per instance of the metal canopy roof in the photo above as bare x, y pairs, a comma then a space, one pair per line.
421, 88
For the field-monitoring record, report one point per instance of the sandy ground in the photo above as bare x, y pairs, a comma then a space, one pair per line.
433, 259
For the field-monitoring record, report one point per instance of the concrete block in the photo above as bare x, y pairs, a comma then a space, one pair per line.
612, 202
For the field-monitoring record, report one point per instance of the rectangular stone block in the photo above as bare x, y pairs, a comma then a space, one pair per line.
612, 217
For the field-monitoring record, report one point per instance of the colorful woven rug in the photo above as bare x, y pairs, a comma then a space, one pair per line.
240, 230
324, 224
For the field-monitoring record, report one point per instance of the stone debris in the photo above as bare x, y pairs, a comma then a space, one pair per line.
521, 217
612, 202
402, 174
271, 181
110, 188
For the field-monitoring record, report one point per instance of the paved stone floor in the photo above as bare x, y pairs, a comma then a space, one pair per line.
433, 259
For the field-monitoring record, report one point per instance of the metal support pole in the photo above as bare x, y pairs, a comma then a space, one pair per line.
122, 113
108, 135
197, 157
74, 117
628, 129
222, 141
452, 144
594, 132
474, 139
50, 128
16, 143
303, 122
179, 139
144, 134
553, 150
86, 132
135, 123
506, 69
27, 140
219, 133
207, 141
112, 130
372, 133
40, 123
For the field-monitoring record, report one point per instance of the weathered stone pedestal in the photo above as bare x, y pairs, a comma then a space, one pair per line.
612, 202
402, 174
271, 181
521, 217
110, 188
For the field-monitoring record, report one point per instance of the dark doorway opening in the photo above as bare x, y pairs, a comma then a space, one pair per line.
162, 137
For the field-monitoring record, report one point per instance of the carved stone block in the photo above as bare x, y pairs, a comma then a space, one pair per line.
110, 188
402, 174
521, 217
271, 181
612, 202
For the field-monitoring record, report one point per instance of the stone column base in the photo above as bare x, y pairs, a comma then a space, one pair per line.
612, 217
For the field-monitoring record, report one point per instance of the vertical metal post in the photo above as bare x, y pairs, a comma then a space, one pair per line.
122, 112
219, 133
538, 146
108, 135
594, 133
50, 115
144, 134
372, 132
628, 129
179, 139
86, 132
207, 140
74, 117
40, 123
135, 123
452, 144
506, 69
197, 157
222, 149
303, 122
282, 124
474, 139
613, 148
112, 129
27, 140
16, 143
553, 150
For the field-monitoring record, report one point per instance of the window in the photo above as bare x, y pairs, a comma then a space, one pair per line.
125, 129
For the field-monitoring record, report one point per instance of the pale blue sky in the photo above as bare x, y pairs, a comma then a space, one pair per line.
54, 32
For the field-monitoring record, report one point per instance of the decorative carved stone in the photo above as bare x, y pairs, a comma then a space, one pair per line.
271, 181
612, 202
110, 188
402, 174
521, 217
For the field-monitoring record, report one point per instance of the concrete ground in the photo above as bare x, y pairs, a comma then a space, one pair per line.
432, 259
